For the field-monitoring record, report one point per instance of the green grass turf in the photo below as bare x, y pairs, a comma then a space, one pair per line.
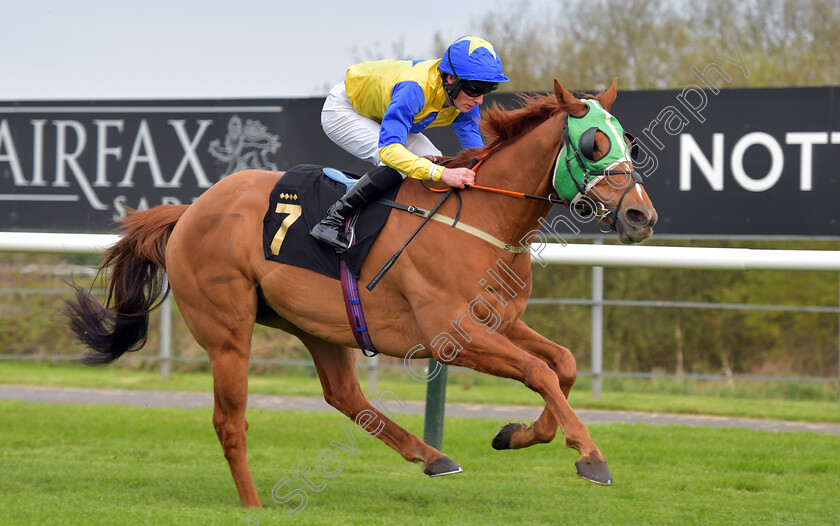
637, 395
117, 465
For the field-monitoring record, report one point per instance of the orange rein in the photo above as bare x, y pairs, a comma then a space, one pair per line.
509, 193
485, 188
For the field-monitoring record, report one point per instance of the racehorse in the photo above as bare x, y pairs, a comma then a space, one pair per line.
213, 257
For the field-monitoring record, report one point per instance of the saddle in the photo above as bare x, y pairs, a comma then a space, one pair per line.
300, 200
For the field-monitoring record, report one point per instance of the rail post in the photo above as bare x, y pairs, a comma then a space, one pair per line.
597, 329
166, 337
373, 366
435, 407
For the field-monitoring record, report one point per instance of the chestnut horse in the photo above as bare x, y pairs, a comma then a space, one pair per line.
212, 253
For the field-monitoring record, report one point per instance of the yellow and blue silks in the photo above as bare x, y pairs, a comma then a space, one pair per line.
407, 97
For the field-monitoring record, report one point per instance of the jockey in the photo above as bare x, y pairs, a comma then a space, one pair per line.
381, 108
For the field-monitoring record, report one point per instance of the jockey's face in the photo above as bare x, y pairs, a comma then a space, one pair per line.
464, 102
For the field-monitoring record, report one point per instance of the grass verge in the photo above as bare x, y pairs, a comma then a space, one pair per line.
118, 465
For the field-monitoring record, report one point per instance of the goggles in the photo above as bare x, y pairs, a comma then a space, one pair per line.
477, 88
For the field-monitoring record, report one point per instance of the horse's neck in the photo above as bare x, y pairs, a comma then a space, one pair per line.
524, 166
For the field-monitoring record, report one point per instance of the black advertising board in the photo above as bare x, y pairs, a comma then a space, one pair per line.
77, 166
727, 162
762, 162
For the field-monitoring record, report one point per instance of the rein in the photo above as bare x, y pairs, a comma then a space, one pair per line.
553, 199
475, 163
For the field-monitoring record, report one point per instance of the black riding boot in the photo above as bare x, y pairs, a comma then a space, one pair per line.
330, 230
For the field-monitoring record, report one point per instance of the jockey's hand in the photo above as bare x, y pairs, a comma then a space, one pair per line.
458, 177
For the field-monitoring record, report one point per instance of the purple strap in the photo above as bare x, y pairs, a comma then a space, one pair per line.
352, 302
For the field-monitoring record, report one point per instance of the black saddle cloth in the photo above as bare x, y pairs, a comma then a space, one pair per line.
299, 201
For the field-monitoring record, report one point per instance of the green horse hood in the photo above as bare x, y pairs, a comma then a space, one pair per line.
575, 163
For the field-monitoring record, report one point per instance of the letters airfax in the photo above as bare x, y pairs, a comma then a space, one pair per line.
100, 157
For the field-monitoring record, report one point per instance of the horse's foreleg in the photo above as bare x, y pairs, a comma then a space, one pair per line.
336, 367
494, 354
560, 359
562, 362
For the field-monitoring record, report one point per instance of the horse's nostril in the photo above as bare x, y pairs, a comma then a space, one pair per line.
636, 217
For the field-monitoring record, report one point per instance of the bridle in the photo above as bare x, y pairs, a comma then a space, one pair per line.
583, 204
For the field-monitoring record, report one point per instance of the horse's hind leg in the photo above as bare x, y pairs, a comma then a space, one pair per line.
221, 318
230, 393
336, 367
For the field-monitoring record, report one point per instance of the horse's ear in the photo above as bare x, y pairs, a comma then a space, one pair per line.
608, 97
562, 94
567, 100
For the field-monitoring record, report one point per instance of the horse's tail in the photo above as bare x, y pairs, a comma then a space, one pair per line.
133, 268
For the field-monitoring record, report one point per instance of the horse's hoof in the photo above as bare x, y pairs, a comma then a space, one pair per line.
504, 435
442, 466
596, 472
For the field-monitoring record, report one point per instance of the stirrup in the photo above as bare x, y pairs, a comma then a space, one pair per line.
330, 235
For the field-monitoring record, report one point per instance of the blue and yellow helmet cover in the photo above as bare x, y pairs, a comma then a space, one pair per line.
473, 58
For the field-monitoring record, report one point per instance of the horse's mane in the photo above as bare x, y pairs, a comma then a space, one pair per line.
501, 126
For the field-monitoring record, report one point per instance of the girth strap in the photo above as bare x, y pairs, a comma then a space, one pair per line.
352, 301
